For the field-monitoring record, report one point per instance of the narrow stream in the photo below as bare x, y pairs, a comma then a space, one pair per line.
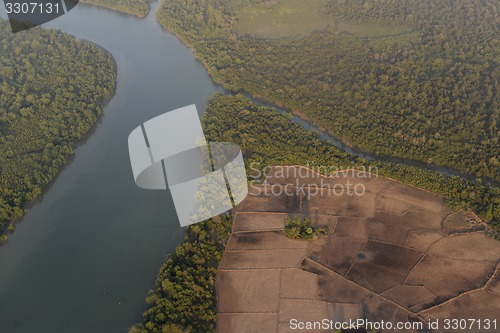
86, 254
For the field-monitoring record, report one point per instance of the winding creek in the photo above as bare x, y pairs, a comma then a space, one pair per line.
86, 253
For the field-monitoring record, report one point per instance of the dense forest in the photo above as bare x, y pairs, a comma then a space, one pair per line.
184, 298
412, 78
52, 91
138, 8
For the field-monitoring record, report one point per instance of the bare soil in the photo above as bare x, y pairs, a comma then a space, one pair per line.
395, 253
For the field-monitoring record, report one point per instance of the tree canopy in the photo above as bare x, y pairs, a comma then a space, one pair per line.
52, 91
426, 91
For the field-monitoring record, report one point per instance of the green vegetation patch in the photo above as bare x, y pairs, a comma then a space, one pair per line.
52, 91
296, 228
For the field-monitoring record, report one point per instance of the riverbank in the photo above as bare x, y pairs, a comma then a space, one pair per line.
49, 159
139, 8
185, 297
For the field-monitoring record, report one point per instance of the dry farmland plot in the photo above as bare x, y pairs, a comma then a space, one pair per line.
397, 254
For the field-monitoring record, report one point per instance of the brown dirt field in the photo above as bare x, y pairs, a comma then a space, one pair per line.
380, 266
494, 284
421, 219
254, 204
285, 328
258, 190
263, 259
425, 305
392, 205
330, 204
248, 291
259, 221
263, 240
352, 227
408, 296
422, 240
333, 287
362, 205
294, 175
378, 308
345, 311
320, 220
396, 221
447, 211
458, 246
456, 222
392, 255
450, 277
415, 197
302, 310
372, 183
340, 252
247, 322
475, 305
316, 248
296, 283
385, 231
284, 203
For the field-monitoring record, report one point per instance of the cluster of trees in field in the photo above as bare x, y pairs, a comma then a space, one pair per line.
429, 94
52, 91
184, 299
138, 8
296, 228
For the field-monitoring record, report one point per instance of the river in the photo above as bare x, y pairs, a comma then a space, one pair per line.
86, 254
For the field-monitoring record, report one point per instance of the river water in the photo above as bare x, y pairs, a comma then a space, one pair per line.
84, 256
